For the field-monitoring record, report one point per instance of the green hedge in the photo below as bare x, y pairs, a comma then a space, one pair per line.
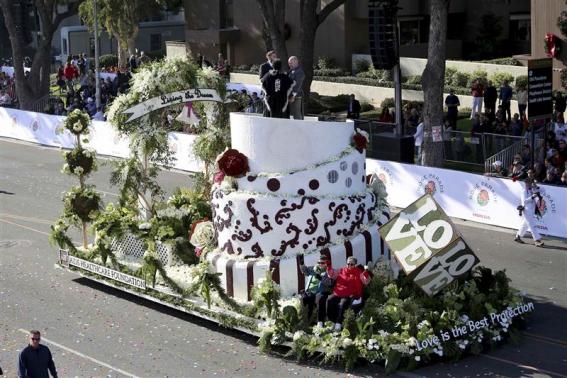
503, 61
108, 60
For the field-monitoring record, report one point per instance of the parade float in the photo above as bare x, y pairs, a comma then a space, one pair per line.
274, 194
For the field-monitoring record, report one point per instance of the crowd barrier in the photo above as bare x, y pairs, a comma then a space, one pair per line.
463, 195
469, 196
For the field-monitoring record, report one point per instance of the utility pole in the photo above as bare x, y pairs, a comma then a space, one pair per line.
96, 58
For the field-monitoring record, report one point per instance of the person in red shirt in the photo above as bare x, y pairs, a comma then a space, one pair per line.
477, 92
349, 287
71, 72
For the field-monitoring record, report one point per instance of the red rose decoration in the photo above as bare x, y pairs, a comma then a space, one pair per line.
233, 163
359, 142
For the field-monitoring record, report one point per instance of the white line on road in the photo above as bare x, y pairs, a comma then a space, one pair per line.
26, 227
110, 194
83, 355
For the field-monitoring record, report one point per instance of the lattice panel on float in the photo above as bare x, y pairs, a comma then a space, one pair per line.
130, 245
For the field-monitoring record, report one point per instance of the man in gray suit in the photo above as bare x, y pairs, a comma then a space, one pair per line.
296, 99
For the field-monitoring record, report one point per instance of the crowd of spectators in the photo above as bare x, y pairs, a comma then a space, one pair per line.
76, 83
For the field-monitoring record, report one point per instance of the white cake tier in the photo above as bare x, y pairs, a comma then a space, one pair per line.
249, 225
275, 145
342, 177
239, 276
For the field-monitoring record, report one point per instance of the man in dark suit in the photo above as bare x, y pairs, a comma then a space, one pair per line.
490, 98
267, 66
353, 109
296, 99
277, 87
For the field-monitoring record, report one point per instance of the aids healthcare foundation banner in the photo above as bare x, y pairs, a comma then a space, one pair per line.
482, 199
47, 130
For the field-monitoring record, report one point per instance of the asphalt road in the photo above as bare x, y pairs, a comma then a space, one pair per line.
96, 331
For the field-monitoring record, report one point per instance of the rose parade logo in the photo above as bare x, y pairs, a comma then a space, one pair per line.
482, 198
430, 184
35, 125
385, 175
545, 204
481, 195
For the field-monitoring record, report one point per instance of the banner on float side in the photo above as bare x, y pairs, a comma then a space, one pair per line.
469, 196
427, 245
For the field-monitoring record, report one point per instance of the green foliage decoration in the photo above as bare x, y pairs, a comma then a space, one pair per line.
397, 314
81, 204
266, 294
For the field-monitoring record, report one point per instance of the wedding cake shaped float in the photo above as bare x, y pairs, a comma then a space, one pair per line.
289, 188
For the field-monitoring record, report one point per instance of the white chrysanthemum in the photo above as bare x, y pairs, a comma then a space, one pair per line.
79, 170
347, 342
204, 235
298, 335
145, 226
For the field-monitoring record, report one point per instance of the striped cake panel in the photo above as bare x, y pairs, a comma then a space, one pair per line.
376, 246
221, 268
358, 244
240, 274
260, 268
338, 255
288, 277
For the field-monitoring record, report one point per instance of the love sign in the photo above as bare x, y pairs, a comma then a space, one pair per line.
427, 245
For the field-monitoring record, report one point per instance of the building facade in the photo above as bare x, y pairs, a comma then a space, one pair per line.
476, 29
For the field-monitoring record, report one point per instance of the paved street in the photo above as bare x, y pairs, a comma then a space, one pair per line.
96, 331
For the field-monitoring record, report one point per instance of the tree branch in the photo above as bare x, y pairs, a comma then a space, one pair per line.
329, 8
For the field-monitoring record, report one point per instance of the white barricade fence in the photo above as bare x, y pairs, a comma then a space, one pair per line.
10, 70
103, 137
469, 196
482, 199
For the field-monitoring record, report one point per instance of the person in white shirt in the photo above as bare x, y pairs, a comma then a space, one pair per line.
418, 140
528, 209
5, 99
99, 115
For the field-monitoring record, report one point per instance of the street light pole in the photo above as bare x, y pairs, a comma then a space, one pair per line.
97, 74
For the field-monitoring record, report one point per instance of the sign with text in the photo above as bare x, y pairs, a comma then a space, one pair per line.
115, 275
169, 99
427, 245
540, 86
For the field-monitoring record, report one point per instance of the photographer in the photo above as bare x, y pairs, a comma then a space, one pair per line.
528, 210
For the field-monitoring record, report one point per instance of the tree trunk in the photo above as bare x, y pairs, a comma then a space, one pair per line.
122, 51
308, 16
433, 80
36, 85
310, 21
273, 13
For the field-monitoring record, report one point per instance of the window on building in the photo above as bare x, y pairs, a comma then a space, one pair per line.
413, 30
64, 47
155, 42
456, 23
520, 27
226, 13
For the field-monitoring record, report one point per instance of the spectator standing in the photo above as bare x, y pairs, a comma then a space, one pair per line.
71, 72
506, 98
386, 116
452, 103
133, 62
516, 127
35, 359
277, 88
353, 108
522, 97
297, 75
490, 98
221, 66
268, 65
418, 140
477, 92
560, 104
